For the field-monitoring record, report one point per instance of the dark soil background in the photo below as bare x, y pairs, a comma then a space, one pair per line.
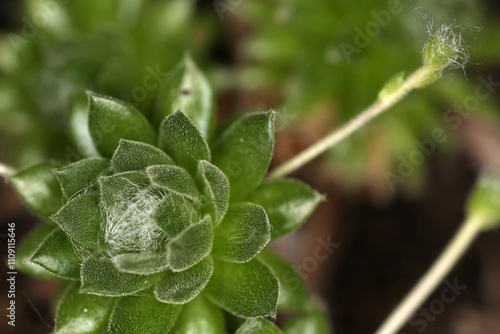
384, 243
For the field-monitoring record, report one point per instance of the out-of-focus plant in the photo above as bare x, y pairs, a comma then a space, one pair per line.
482, 213
333, 56
120, 47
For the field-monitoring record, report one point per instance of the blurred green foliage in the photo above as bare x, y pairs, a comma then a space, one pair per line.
334, 57
329, 57
122, 48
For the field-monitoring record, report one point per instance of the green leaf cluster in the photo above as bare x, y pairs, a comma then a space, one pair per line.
165, 228
60, 48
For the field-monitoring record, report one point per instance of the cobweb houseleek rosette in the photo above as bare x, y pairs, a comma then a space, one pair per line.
164, 231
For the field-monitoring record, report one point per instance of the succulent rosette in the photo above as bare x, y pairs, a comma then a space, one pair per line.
164, 230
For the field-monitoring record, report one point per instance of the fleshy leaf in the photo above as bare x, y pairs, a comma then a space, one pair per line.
180, 139
100, 277
199, 316
312, 322
142, 314
79, 313
243, 233
244, 289
79, 175
293, 292
181, 287
38, 188
187, 89
391, 86
140, 263
77, 115
259, 326
133, 155
191, 246
288, 203
174, 213
243, 151
56, 254
27, 249
173, 178
81, 219
111, 119
215, 188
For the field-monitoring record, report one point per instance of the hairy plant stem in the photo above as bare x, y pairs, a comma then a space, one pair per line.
432, 278
6, 171
417, 79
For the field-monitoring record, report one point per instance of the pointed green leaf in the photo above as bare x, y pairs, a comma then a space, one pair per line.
111, 119
243, 233
244, 150
180, 139
191, 246
215, 189
391, 86
142, 314
199, 316
80, 175
244, 289
79, 313
174, 179
100, 277
259, 326
293, 292
133, 155
27, 249
140, 263
181, 287
312, 322
288, 203
187, 89
175, 213
56, 254
38, 188
81, 219
78, 125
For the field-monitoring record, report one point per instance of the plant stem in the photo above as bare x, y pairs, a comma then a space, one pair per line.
6, 171
415, 80
432, 278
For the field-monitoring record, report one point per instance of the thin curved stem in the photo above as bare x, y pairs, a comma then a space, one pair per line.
415, 80
6, 171
432, 278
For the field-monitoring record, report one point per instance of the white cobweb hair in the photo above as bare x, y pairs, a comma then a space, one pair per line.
129, 226
448, 46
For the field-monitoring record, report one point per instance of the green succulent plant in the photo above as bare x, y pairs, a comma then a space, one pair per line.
166, 228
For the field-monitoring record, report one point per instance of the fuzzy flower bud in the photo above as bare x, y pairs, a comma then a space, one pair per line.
446, 48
